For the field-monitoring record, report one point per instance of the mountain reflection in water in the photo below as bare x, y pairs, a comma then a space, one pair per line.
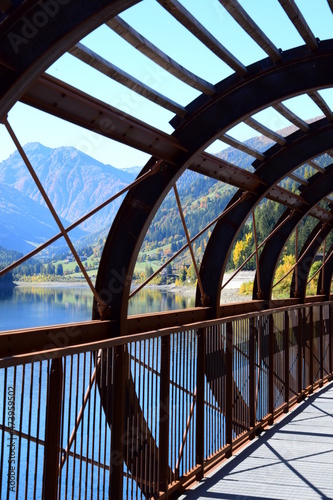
35, 305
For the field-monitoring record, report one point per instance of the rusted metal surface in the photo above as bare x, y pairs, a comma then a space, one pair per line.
33, 58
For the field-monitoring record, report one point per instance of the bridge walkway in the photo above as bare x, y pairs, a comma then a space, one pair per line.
292, 460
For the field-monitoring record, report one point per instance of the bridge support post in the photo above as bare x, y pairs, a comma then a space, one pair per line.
300, 354
252, 375
228, 399
117, 429
52, 431
310, 330
321, 345
271, 369
200, 424
286, 359
330, 336
164, 414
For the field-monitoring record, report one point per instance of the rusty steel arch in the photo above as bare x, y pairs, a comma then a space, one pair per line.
316, 191
235, 99
206, 122
308, 252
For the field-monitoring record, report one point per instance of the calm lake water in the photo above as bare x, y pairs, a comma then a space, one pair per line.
28, 306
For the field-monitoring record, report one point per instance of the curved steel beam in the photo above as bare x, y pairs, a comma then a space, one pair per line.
328, 273
301, 272
279, 161
319, 186
37, 34
235, 99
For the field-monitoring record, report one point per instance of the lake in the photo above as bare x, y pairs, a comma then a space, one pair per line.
29, 305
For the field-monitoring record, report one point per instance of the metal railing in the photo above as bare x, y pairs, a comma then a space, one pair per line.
144, 415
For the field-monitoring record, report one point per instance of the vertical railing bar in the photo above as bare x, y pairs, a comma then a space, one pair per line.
271, 368
299, 353
229, 372
18, 472
147, 445
76, 410
259, 330
321, 345
3, 432
20, 432
82, 422
29, 433
88, 429
142, 392
208, 395
184, 385
127, 426
252, 377
149, 454
99, 432
52, 430
286, 358
190, 454
105, 369
69, 420
311, 345
62, 425
135, 421
213, 412
156, 478
177, 402
38, 425
330, 338
116, 483
151, 412
145, 391
96, 356
167, 422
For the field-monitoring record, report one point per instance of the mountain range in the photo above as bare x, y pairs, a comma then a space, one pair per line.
76, 183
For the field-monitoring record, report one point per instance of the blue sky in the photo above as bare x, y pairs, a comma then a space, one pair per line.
152, 21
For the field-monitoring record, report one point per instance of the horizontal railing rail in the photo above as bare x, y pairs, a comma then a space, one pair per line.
144, 415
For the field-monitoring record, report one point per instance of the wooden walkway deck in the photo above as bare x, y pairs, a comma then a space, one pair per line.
293, 460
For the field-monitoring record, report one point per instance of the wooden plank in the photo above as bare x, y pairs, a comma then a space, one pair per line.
296, 17
321, 103
147, 48
97, 62
64, 101
241, 146
259, 127
296, 120
252, 29
182, 15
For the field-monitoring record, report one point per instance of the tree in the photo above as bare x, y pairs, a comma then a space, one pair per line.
60, 270
148, 271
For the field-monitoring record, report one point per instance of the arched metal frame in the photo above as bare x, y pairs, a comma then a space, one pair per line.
310, 248
319, 187
328, 274
233, 100
236, 98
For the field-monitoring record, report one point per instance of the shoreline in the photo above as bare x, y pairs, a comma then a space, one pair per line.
241, 277
229, 294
